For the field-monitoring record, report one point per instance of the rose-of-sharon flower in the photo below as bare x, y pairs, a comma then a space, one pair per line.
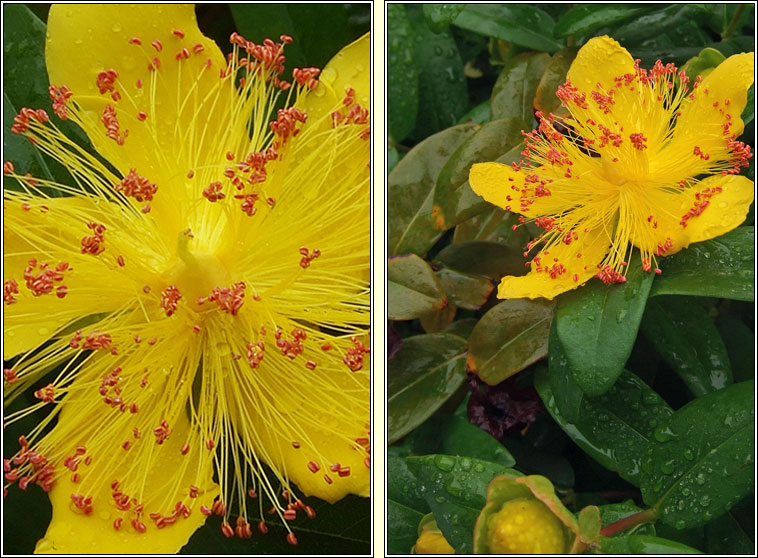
202, 298
643, 159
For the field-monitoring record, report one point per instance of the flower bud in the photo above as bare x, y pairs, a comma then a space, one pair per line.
525, 526
431, 540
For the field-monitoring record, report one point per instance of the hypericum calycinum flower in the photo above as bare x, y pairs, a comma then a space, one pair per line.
629, 170
205, 304
525, 526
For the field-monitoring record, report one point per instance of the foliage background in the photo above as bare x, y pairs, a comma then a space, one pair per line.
319, 32
584, 390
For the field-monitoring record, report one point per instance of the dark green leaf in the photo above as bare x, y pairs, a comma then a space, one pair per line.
495, 225
461, 328
747, 114
456, 490
568, 395
402, 89
439, 16
703, 63
728, 534
657, 23
547, 463
464, 289
643, 544
583, 19
482, 258
597, 325
701, 462
454, 200
410, 191
393, 158
508, 338
438, 320
402, 527
519, 24
722, 267
425, 372
516, 86
684, 335
615, 428
545, 98
412, 288
740, 346
480, 114
443, 97
611, 513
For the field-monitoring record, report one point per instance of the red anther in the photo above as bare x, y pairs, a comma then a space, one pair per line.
139, 84
219, 508
210, 444
295, 445
248, 203
229, 156
334, 467
111, 124
74, 478
143, 382
135, 41
328, 479
197, 48
262, 527
271, 201
6, 465
344, 471
9, 375
8, 167
290, 515
292, 539
252, 493
179, 33
170, 297
157, 45
133, 408
23, 482
310, 512
313, 466
138, 526
142, 116
213, 192
638, 141
12, 475
183, 54
185, 449
105, 81
286, 39
658, 271
126, 445
161, 432
46, 394
354, 357
192, 491
367, 462
152, 341
205, 510
229, 300
117, 523
310, 365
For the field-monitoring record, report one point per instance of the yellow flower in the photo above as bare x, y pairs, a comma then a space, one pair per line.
431, 540
525, 526
645, 160
203, 295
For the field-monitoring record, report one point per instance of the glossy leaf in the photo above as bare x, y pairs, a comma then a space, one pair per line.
703, 64
701, 461
568, 395
520, 24
410, 191
461, 328
482, 258
740, 346
516, 86
554, 75
402, 89
454, 200
406, 506
615, 428
402, 530
643, 544
494, 225
597, 325
684, 335
412, 288
480, 114
443, 95
733, 532
438, 320
425, 372
611, 513
657, 23
465, 290
439, 16
508, 338
722, 267
585, 18
456, 491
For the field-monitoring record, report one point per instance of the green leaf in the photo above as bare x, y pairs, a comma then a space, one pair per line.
438, 320
703, 63
465, 290
611, 513
615, 428
482, 258
454, 200
586, 18
443, 95
461, 328
343, 527
402, 525
545, 98
643, 544
424, 373
684, 335
412, 288
701, 462
728, 535
589, 523
740, 346
456, 490
393, 158
519, 24
515, 88
402, 89
406, 506
439, 16
480, 114
657, 23
748, 113
568, 395
410, 191
495, 225
597, 325
722, 267
508, 338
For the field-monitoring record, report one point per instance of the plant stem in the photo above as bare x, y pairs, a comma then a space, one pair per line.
645, 516
733, 22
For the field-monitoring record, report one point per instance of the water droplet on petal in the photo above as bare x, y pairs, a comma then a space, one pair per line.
329, 75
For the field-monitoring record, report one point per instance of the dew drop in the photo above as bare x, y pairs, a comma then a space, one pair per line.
663, 433
705, 500
444, 463
329, 75
689, 454
680, 505
104, 515
668, 467
479, 468
43, 544
686, 491
440, 499
43, 331
116, 28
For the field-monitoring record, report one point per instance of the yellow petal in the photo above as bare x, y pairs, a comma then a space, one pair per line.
350, 67
599, 61
726, 209
501, 185
580, 260
183, 114
72, 532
